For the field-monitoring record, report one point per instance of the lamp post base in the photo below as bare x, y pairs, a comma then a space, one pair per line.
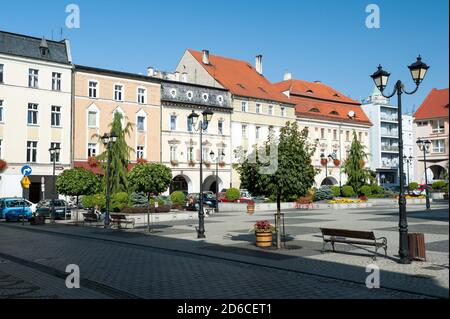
404, 261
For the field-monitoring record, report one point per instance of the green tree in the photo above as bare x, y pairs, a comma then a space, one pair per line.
77, 182
282, 167
120, 154
357, 174
150, 179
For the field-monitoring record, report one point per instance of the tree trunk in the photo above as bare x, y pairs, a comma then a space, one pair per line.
278, 221
78, 205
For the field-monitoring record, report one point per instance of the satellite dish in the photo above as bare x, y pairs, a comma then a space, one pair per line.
351, 114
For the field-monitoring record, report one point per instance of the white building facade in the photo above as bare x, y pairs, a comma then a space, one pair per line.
35, 108
384, 140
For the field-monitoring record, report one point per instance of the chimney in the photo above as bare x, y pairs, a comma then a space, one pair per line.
177, 76
287, 76
150, 71
258, 64
205, 57
184, 77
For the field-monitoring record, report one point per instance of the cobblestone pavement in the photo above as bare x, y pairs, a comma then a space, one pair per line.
172, 263
115, 270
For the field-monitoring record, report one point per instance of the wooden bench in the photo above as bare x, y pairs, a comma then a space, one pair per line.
353, 237
119, 219
90, 217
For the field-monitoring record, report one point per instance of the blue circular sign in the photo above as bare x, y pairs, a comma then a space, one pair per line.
26, 170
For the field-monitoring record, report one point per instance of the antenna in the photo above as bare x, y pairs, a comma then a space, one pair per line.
61, 34
52, 34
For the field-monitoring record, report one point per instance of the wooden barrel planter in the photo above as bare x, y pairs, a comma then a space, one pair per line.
250, 208
263, 239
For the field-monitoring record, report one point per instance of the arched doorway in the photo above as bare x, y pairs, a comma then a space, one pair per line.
438, 173
209, 185
179, 183
329, 181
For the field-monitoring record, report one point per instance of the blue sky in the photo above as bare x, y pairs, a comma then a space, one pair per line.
315, 40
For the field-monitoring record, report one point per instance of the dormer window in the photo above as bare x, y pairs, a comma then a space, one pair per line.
337, 95
310, 92
334, 113
240, 85
43, 47
262, 89
315, 110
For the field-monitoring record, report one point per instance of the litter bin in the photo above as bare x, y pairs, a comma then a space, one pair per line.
416, 243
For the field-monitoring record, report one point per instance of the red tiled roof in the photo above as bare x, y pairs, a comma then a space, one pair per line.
434, 106
319, 101
240, 78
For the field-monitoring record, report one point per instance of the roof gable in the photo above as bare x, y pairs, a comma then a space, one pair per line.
434, 106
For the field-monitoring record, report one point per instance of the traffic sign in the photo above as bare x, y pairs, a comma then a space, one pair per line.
26, 170
26, 182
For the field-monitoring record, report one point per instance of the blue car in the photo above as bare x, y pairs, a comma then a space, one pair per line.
14, 209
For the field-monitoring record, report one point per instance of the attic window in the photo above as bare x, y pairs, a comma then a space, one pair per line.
240, 85
262, 89
334, 113
43, 47
337, 95
315, 110
310, 92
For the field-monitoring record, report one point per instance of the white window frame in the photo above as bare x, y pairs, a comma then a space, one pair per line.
189, 125
258, 108
438, 126
244, 106
220, 127
119, 93
95, 89
190, 154
2, 112
34, 110
244, 131
56, 115
175, 122
33, 78
32, 147
283, 111
2, 73
438, 146
173, 153
140, 152
92, 147
93, 109
141, 96
258, 132
270, 110
56, 81
144, 127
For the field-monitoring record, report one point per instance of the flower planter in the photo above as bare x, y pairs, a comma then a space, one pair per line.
263, 239
336, 162
250, 208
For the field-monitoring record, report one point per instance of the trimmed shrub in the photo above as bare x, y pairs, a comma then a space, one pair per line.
178, 197
413, 186
439, 185
119, 201
377, 189
94, 200
347, 191
323, 193
233, 194
139, 199
366, 190
336, 191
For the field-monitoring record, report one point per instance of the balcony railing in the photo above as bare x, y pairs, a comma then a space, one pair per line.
389, 133
386, 117
389, 164
389, 148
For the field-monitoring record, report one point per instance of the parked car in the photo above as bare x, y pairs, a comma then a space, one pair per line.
14, 209
62, 209
209, 199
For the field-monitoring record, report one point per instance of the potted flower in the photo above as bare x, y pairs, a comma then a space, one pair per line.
323, 161
92, 161
263, 231
251, 207
336, 162
222, 164
141, 161
3, 165
207, 164
174, 162
191, 163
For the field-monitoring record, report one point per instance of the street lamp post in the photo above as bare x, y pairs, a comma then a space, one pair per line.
408, 161
326, 160
108, 140
218, 158
54, 153
424, 146
202, 126
381, 77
